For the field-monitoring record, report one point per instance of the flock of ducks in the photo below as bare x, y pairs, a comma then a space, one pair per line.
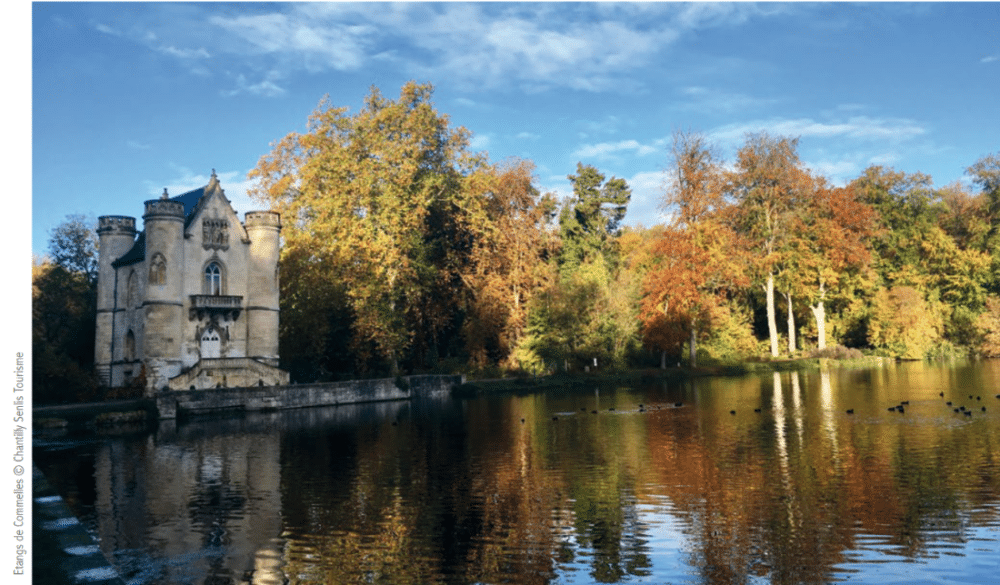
901, 407
642, 408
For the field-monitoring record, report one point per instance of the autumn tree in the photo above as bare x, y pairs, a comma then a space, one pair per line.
935, 241
985, 174
585, 313
904, 323
370, 202
904, 203
989, 328
695, 262
828, 242
506, 263
964, 217
766, 185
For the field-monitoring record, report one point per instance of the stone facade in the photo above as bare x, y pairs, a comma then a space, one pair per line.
190, 302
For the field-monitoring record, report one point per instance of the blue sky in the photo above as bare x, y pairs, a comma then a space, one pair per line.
131, 98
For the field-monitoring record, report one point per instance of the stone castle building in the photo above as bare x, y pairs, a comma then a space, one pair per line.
191, 301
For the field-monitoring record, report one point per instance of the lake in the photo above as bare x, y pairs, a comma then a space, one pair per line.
756, 479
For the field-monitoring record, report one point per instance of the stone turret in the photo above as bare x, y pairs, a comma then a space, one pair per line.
116, 235
163, 299
263, 228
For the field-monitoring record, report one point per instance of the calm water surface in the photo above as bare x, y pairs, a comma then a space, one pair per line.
579, 486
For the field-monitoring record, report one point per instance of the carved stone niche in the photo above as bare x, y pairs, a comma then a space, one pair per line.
215, 234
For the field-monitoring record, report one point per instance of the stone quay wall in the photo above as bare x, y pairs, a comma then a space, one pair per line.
263, 398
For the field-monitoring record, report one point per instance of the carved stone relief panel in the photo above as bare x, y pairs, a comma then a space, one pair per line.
215, 234
158, 269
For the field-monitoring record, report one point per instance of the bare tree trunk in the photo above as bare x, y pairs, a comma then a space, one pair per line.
663, 359
772, 325
792, 345
694, 345
819, 312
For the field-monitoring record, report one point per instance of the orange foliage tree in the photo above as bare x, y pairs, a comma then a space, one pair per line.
694, 262
506, 263
828, 241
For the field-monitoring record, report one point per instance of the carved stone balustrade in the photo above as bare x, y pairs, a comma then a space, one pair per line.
225, 306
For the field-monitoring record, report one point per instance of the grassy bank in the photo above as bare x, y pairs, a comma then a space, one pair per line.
650, 375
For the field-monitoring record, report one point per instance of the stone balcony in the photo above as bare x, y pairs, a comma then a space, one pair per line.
228, 306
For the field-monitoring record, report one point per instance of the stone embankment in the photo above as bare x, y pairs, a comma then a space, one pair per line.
171, 404
264, 398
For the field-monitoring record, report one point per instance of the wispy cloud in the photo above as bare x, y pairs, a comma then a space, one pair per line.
609, 149
855, 127
263, 88
198, 53
711, 100
533, 47
101, 27
990, 59
320, 45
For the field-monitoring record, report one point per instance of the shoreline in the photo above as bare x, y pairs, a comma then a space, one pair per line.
131, 412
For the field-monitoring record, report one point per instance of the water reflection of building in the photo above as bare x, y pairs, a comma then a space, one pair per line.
210, 507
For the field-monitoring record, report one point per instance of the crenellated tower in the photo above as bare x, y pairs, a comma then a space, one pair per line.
116, 236
263, 229
163, 300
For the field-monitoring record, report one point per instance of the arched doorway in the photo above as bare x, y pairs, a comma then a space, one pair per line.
211, 344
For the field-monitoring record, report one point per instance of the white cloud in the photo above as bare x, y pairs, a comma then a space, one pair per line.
884, 159
609, 149
528, 47
199, 53
714, 101
839, 171
263, 88
856, 127
479, 142
106, 29
323, 45
647, 197
527, 136
990, 59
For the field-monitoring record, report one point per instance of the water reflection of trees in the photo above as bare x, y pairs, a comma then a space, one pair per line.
789, 505
785, 494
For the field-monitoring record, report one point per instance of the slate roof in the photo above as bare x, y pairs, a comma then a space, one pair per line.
138, 251
190, 201
136, 254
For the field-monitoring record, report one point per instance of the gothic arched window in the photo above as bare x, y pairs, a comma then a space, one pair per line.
129, 346
213, 279
131, 293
